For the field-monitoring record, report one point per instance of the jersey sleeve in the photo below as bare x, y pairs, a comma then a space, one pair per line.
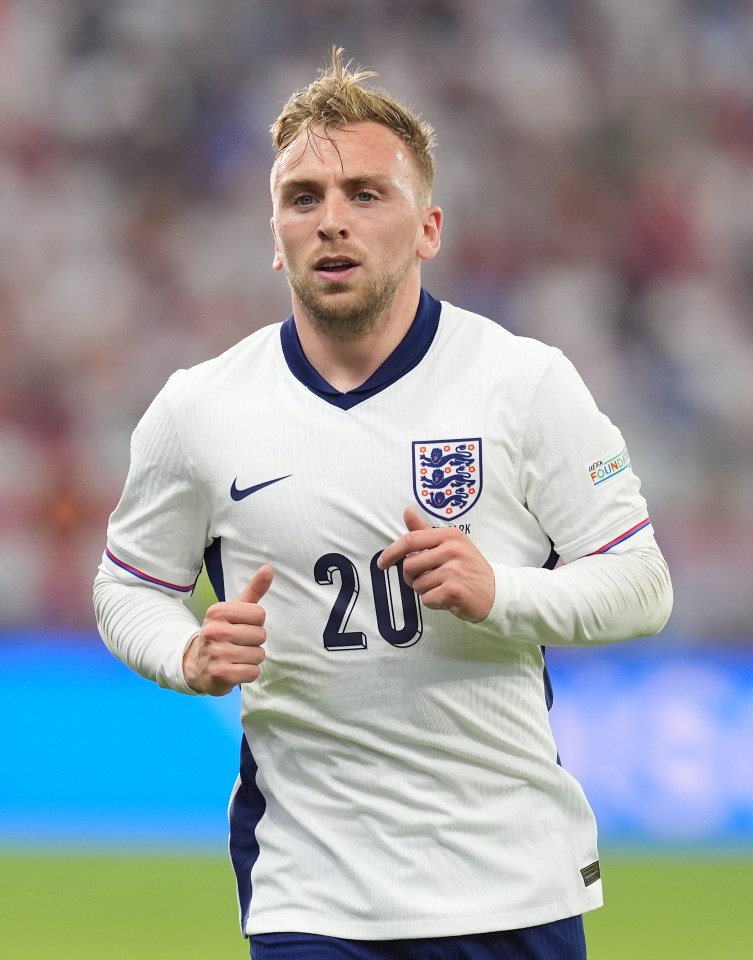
159, 529
575, 470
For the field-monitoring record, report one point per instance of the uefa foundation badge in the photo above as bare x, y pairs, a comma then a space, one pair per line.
447, 476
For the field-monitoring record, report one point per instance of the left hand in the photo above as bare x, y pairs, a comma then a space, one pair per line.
444, 567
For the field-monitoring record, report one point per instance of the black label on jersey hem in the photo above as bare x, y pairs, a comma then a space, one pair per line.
591, 873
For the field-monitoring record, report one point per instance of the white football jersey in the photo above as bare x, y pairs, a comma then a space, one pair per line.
399, 776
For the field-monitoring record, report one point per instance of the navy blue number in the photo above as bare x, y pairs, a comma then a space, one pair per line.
386, 609
336, 637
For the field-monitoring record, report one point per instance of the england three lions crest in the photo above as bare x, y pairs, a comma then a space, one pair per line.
447, 476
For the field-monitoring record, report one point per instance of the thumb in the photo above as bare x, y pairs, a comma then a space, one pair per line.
257, 586
413, 520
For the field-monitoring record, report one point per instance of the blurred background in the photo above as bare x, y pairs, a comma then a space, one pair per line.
595, 166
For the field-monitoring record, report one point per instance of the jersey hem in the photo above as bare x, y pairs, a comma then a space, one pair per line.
283, 921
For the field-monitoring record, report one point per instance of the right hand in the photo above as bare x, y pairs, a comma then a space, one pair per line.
229, 650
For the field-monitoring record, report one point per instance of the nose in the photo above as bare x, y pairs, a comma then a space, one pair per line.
333, 218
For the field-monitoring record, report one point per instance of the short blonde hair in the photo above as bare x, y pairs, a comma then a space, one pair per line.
337, 98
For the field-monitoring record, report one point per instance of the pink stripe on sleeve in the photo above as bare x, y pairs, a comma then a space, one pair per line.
623, 536
144, 576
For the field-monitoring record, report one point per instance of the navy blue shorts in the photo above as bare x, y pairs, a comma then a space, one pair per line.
559, 940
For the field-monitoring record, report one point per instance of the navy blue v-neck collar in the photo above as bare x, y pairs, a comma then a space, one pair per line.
406, 355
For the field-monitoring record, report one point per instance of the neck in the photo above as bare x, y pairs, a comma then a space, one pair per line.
347, 363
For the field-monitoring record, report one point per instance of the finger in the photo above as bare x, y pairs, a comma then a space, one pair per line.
408, 543
258, 585
235, 622
214, 663
414, 521
242, 652
411, 542
241, 634
417, 565
417, 541
223, 680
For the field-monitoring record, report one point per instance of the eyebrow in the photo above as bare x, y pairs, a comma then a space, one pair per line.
294, 184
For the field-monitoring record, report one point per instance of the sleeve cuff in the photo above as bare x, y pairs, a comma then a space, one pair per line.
171, 674
506, 593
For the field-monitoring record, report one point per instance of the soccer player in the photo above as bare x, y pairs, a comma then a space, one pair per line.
400, 505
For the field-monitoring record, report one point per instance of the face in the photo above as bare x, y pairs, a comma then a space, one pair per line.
349, 229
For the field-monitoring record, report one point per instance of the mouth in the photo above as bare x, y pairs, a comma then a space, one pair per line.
335, 268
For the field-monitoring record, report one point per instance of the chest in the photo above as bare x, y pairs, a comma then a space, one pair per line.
293, 478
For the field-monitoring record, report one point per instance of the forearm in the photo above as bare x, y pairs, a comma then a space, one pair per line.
145, 628
593, 600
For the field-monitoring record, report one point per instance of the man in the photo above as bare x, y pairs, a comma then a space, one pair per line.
407, 503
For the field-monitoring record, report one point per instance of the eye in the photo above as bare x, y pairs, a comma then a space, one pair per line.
303, 200
365, 196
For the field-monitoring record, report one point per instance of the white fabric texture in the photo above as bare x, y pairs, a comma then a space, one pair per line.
408, 771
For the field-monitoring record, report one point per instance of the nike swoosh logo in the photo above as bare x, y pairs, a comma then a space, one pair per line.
237, 494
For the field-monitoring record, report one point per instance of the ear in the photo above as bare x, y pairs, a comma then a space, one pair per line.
277, 263
429, 237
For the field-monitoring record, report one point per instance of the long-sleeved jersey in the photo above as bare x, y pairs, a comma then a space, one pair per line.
398, 777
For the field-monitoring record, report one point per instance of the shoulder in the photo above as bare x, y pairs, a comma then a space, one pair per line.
218, 379
472, 337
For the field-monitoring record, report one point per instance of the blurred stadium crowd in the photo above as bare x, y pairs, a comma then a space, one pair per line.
596, 171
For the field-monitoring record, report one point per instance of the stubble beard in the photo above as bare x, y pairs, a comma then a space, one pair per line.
347, 320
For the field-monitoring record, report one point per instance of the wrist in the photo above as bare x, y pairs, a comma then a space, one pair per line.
188, 664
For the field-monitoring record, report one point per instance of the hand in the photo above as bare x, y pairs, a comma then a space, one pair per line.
444, 567
229, 650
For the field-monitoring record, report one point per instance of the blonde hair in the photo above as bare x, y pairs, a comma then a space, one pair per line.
337, 98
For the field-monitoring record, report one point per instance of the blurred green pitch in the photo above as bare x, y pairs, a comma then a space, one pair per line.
88, 907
